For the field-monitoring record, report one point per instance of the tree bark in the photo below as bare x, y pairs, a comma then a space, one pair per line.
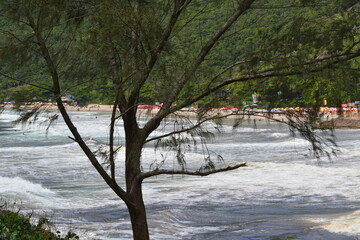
133, 183
135, 139
138, 215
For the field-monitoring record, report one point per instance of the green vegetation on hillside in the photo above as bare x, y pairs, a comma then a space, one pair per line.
258, 36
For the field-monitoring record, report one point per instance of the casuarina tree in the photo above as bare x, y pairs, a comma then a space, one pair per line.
176, 53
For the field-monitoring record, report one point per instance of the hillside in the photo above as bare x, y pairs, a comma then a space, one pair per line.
268, 27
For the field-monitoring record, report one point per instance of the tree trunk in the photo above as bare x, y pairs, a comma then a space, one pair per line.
138, 216
134, 143
137, 209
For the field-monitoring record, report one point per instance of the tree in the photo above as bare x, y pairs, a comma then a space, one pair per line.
143, 46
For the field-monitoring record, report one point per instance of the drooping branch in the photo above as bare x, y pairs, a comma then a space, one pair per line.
77, 137
195, 173
305, 125
330, 61
318, 59
196, 125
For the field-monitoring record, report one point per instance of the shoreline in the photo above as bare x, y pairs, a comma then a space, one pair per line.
350, 120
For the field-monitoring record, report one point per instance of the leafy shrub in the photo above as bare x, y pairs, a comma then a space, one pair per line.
13, 226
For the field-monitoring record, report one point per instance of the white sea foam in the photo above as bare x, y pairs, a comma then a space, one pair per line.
348, 224
38, 149
262, 182
288, 145
277, 175
279, 135
8, 116
22, 186
24, 190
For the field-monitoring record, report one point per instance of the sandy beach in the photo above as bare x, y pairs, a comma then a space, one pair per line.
345, 120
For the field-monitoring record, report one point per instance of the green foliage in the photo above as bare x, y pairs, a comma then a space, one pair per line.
13, 226
22, 94
266, 36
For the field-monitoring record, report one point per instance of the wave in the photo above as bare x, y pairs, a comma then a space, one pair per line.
263, 183
55, 145
7, 116
348, 224
22, 186
19, 189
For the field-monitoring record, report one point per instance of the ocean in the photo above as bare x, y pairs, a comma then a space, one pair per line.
283, 193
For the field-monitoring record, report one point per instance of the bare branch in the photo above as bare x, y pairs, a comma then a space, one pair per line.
225, 70
196, 173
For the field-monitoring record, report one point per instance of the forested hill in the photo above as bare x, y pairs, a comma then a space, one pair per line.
272, 33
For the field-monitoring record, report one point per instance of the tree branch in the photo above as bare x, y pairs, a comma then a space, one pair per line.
178, 8
22, 81
111, 138
114, 68
57, 91
196, 173
155, 121
269, 73
245, 5
288, 6
168, 30
348, 68
189, 20
14, 19
198, 124
12, 35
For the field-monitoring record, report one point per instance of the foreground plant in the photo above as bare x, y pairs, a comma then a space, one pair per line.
14, 226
